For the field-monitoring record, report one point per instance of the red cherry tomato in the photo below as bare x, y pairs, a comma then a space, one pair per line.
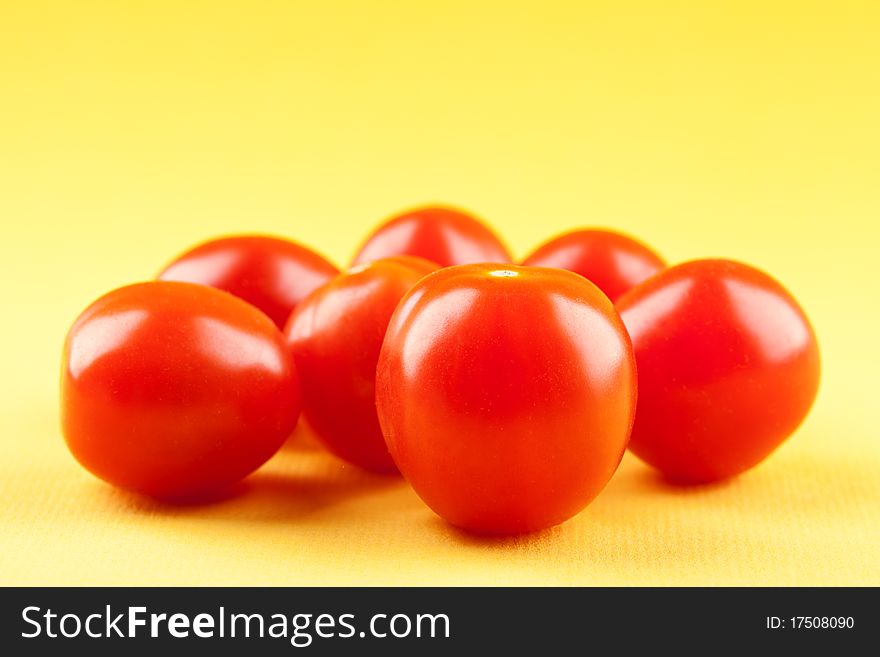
175, 390
728, 368
335, 336
441, 235
270, 273
506, 394
614, 262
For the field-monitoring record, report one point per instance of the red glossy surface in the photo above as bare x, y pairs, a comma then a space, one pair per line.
175, 390
614, 262
271, 273
335, 336
728, 368
506, 394
442, 235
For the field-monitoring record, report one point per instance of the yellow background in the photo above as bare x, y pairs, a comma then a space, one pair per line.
129, 130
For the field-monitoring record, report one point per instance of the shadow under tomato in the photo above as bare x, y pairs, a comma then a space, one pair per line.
300, 480
791, 486
143, 503
656, 482
272, 496
476, 539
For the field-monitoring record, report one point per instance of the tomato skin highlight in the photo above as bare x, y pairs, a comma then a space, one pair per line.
728, 368
506, 394
614, 262
175, 390
335, 336
443, 235
270, 273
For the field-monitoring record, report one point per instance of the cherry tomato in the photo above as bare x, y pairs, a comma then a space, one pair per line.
728, 368
335, 336
271, 273
506, 394
175, 390
442, 235
614, 262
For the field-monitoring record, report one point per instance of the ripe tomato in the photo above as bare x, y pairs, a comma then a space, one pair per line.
175, 390
271, 273
506, 394
441, 235
335, 336
614, 262
728, 368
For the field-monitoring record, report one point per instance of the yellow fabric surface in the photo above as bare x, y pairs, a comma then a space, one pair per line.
129, 131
